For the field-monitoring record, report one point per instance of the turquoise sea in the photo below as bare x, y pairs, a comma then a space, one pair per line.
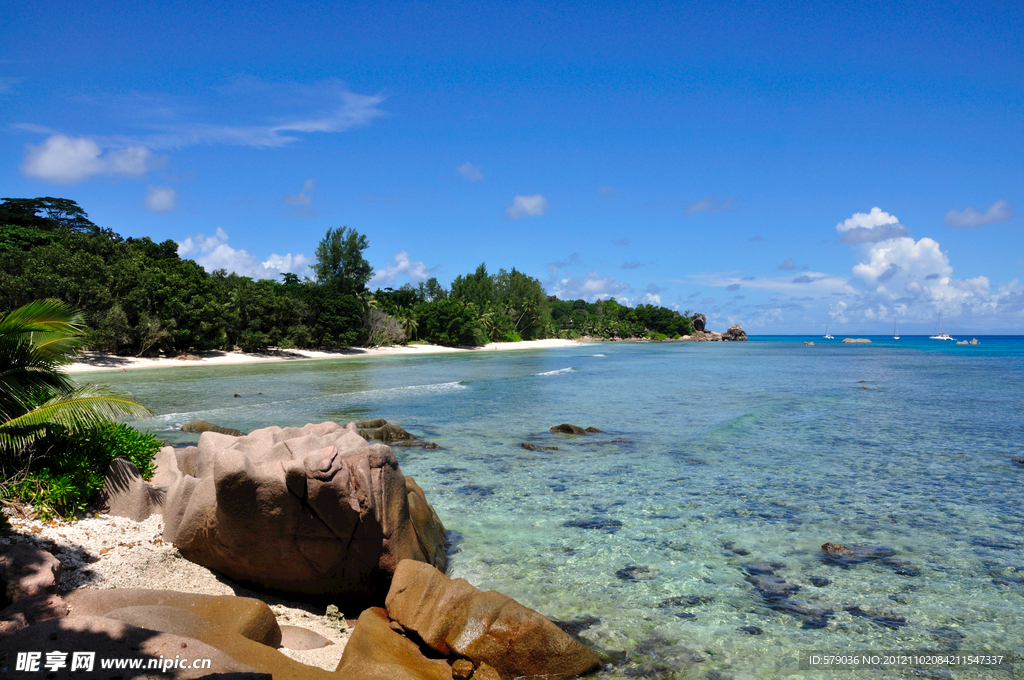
687, 535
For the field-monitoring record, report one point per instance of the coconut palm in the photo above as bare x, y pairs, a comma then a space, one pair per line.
35, 342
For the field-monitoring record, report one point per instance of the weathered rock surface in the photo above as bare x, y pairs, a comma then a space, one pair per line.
241, 629
735, 332
454, 618
26, 571
314, 510
536, 447
110, 638
31, 610
203, 426
126, 494
566, 428
377, 652
863, 341
699, 321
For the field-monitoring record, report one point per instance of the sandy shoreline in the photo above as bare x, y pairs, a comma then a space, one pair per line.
98, 361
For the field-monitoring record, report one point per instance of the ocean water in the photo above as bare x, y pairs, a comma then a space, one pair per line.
719, 463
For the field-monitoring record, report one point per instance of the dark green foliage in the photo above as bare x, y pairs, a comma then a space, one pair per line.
609, 319
67, 473
340, 262
449, 322
138, 297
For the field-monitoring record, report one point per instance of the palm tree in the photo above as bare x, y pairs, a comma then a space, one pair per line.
35, 342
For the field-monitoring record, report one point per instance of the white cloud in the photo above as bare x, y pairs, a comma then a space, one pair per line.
870, 227
414, 270
67, 160
471, 172
817, 284
711, 204
161, 199
304, 197
213, 252
533, 206
651, 295
1000, 211
590, 288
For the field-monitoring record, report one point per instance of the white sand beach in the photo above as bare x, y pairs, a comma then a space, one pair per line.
98, 361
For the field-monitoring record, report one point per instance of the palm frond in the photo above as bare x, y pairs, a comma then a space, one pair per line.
43, 316
83, 408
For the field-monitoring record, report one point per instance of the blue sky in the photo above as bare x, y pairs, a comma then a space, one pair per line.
774, 165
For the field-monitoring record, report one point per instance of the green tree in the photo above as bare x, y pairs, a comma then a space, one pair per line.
35, 395
340, 263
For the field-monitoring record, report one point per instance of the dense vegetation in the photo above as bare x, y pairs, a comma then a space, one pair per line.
139, 297
57, 437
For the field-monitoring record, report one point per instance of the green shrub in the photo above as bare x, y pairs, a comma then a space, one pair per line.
68, 473
512, 336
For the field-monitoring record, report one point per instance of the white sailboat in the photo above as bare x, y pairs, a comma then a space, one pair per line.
939, 335
895, 333
827, 336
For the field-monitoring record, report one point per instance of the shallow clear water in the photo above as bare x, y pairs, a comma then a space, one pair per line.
732, 454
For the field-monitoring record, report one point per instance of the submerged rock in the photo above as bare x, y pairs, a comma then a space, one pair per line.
846, 556
203, 426
606, 524
536, 447
566, 428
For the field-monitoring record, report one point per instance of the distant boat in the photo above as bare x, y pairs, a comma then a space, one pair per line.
939, 335
827, 336
895, 333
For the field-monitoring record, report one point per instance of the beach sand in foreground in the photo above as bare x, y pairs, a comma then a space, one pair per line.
98, 361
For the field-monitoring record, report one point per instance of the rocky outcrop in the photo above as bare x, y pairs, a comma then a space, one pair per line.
377, 652
536, 447
454, 619
855, 341
126, 494
699, 321
735, 332
566, 428
26, 571
29, 611
314, 510
203, 426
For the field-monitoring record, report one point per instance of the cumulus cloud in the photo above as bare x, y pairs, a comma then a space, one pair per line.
650, 296
870, 227
68, 160
414, 270
591, 287
213, 252
903, 277
161, 199
532, 206
304, 197
1000, 211
710, 204
470, 172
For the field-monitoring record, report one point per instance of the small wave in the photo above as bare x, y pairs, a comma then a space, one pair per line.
598, 355
558, 372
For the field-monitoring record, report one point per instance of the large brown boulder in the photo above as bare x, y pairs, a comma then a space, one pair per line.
126, 494
699, 320
112, 639
203, 426
314, 510
456, 619
239, 628
734, 332
377, 652
27, 571
31, 610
